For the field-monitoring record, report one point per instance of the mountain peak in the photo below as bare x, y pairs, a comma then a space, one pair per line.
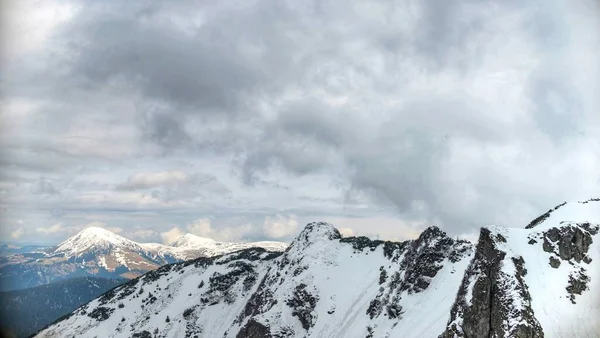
192, 241
100, 234
316, 231
96, 231
92, 237
430, 233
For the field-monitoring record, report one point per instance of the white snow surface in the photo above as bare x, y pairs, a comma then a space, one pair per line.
193, 241
574, 212
344, 281
94, 238
189, 246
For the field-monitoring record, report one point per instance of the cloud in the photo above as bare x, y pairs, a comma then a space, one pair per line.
346, 232
60, 228
17, 233
280, 226
203, 228
55, 228
471, 237
276, 228
34, 22
147, 180
173, 186
143, 234
172, 235
385, 228
139, 112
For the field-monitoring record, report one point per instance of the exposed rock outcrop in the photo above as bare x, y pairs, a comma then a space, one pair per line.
485, 304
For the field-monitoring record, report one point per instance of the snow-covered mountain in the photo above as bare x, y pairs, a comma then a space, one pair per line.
98, 252
533, 281
206, 247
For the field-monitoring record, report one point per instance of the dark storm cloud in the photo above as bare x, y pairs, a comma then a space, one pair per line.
164, 129
191, 63
162, 63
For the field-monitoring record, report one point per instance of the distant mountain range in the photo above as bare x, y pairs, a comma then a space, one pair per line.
23, 312
11, 249
98, 252
533, 281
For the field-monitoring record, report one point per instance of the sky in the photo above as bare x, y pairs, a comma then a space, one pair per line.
245, 120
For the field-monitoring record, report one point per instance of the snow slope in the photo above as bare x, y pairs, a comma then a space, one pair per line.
536, 281
191, 246
551, 303
560, 312
94, 239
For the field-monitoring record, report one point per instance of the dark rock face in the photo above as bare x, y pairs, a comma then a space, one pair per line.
191, 328
421, 261
571, 243
577, 284
220, 284
254, 329
382, 275
491, 311
568, 242
529, 327
592, 229
303, 304
477, 315
424, 258
391, 250
143, 334
101, 313
260, 301
554, 262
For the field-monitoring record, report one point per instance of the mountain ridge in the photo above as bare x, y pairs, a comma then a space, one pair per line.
99, 252
515, 282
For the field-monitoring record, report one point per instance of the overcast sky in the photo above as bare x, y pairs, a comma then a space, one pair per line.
244, 120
